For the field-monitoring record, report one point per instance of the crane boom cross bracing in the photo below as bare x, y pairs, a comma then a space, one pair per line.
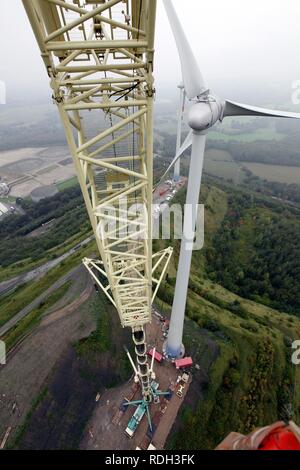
99, 57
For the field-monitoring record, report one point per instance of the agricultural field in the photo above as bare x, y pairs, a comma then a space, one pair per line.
280, 173
221, 164
19, 115
261, 135
218, 163
67, 184
27, 169
249, 129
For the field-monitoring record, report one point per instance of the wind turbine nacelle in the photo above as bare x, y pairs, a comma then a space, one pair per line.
204, 114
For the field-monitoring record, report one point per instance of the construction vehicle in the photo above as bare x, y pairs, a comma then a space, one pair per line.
135, 420
180, 390
185, 377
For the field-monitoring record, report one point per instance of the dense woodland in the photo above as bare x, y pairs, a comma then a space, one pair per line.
256, 250
270, 152
287, 192
70, 217
256, 253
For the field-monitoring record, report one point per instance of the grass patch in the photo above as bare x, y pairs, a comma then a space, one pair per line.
98, 341
26, 265
25, 325
8, 199
67, 184
259, 135
17, 301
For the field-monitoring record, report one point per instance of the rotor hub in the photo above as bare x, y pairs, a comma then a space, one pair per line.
204, 114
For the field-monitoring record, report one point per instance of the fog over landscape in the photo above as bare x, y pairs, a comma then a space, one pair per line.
245, 49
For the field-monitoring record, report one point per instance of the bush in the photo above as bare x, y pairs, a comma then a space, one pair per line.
211, 325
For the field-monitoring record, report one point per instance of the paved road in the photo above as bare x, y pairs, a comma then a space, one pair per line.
12, 284
26, 310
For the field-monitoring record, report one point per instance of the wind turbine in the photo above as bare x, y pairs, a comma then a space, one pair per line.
179, 129
205, 111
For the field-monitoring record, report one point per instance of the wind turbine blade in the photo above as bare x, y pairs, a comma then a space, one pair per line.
186, 144
237, 109
192, 78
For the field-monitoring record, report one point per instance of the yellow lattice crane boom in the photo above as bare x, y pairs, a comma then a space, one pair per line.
99, 57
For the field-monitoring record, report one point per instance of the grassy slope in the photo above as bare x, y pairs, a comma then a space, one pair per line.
27, 264
12, 304
252, 379
251, 383
24, 326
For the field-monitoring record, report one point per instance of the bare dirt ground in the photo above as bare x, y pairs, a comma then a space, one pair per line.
11, 156
28, 367
105, 430
47, 154
46, 377
29, 168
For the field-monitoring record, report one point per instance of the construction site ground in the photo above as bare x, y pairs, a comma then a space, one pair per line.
30, 362
53, 398
106, 428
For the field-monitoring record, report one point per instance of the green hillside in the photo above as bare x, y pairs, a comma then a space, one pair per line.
252, 246
242, 312
250, 381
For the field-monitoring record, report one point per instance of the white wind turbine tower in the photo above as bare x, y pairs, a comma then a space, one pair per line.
205, 111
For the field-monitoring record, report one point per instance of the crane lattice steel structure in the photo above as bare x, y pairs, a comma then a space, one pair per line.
99, 57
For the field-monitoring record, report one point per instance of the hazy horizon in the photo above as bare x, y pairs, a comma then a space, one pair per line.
246, 50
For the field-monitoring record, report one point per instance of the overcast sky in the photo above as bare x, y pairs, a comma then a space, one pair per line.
253, 41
